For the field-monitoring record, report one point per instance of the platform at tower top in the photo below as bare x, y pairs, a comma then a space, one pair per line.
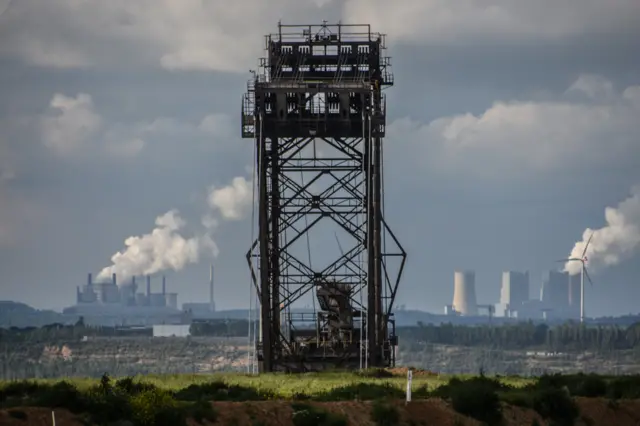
338, 54
319, 80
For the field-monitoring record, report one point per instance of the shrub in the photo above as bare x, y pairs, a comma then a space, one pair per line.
156, 408
18, 390
384, 414
107, 407
105, 383
555, 405
18, 414
129, 386
362, 392
202, 410
126, 401
220, 391
62, 394
375, 373
590, 386
477, 398
300, 396
307, 415
587, 385
202, 391
550, 381
624, 387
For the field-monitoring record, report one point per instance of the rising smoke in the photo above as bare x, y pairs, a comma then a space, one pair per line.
614, 242
232, 201
165, 247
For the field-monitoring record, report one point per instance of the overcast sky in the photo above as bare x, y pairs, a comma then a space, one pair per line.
513, 126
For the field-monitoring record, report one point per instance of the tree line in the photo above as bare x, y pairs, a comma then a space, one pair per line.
570, 336
57, 331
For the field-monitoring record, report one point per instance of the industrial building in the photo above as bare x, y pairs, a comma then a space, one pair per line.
199, 309
107, 303
559, 296
464, 293
514, 293
109, 293
203, 310
172, 330
554, 294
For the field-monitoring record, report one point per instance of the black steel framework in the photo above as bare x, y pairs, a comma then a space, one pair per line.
322, 84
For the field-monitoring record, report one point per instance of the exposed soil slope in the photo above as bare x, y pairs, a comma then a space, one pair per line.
432, 412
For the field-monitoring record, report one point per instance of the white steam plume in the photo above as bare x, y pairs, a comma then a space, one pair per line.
614, 242
232, 201
164, 248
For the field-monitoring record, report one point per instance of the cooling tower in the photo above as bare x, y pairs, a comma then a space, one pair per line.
464, 293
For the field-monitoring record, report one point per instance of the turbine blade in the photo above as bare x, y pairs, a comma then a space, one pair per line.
586, 274
587, 245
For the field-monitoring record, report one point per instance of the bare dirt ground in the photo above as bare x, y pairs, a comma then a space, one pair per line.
432, 412
38, 417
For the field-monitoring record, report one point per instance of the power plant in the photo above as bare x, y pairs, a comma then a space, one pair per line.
109, 293
559, 296
464, 293
320, 88
111, 303
514, 293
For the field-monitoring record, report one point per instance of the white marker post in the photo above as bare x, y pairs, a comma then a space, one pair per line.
409, 379
53, 418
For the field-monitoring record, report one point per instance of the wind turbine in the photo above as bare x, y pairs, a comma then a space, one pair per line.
583, 272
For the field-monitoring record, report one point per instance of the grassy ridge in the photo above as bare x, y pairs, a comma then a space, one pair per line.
285, 387
170, 400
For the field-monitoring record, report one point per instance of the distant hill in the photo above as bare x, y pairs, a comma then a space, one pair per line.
17, 314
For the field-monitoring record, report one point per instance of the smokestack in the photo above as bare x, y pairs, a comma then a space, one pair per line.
113, 279
211, 302
133, 284
89, 279
464, 293
149, 286
164, 285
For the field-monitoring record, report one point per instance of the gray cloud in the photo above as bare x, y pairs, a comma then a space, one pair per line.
189, 35
71, 123
508, 135
596, 128
506, 22
195, 35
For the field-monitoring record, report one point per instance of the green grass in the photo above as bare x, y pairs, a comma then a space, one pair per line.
287, 386
160, 400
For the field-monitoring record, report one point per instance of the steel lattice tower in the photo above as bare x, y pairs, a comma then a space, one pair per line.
322, 85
